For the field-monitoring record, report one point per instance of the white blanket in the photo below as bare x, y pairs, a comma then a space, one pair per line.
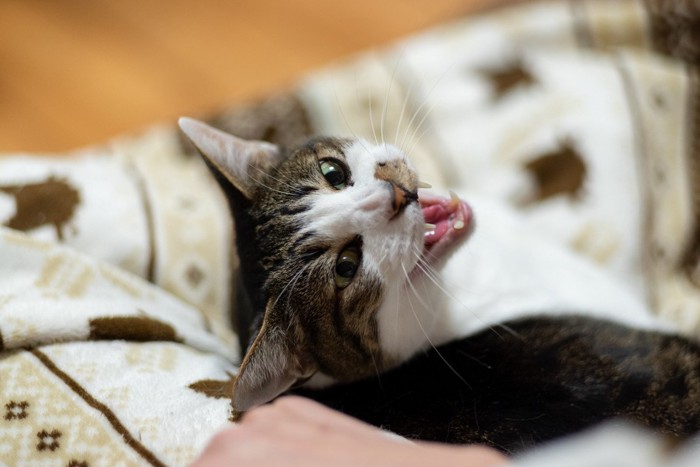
115, 261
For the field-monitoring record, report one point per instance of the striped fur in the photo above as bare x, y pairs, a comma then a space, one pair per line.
292, 225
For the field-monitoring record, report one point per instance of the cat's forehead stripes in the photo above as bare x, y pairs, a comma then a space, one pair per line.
302, 222
322, 148
328, 147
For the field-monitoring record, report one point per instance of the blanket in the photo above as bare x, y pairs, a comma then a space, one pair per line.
117, 340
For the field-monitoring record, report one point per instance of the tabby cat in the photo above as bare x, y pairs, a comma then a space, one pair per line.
366, 295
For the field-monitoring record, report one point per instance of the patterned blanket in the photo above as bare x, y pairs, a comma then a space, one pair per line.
116, 261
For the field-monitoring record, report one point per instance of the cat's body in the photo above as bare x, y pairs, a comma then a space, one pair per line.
546, 378
346, 282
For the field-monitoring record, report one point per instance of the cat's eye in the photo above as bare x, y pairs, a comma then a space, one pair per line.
346, 266
334, 173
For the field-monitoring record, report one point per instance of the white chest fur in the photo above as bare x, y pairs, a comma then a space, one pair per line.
504, 271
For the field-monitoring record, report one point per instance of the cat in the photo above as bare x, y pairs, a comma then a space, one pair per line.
387, 302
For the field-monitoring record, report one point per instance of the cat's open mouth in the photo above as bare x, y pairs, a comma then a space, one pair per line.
449, 220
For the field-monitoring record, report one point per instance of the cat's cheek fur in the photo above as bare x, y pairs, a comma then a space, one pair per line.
366, 205
346, 213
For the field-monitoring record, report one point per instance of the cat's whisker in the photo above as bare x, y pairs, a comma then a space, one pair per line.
265, 185
261, 183
342, 112
370, 106
414, 115
409, 125
357, 98
413, 289
403, 111
293, 281
508, 329
416, 137
382, 268
345, 118
284, 182
432, 345
419, 138
386, 99
377, 371
423, 104
435, 279
420, 253
431, 274
380, 262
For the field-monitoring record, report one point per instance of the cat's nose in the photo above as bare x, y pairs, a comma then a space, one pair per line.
400, 198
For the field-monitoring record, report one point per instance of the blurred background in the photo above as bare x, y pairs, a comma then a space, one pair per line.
76, 72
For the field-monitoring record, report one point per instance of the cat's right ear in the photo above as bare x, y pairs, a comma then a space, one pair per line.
240, 161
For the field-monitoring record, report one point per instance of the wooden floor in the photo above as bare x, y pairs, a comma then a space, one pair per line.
77, 72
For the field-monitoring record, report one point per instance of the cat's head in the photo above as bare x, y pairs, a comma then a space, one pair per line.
329, 236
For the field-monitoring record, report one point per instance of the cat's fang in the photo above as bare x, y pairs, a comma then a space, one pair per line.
446, 220
454, 200
422, 184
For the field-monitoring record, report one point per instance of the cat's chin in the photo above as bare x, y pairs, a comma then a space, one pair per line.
452, 222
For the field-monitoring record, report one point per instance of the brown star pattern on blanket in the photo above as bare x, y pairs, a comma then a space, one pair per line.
219, 389
137, 328
48, 440
559, 172
51, 202
508, 78
16, 410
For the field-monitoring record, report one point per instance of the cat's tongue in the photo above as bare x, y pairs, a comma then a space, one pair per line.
451, 218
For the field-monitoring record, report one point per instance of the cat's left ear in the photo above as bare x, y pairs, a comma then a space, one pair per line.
271, 366
240, 161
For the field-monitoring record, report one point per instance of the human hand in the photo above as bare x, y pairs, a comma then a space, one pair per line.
293, 431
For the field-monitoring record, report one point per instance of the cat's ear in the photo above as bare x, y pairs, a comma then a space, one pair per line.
271, 366
240, 161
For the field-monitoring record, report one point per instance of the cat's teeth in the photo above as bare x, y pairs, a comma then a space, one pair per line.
454, 200
429, 227
454, 204
422, 184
